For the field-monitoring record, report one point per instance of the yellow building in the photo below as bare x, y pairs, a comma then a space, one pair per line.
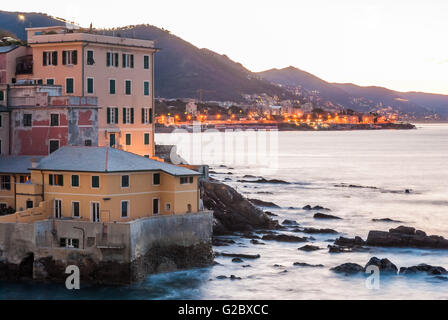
98, 184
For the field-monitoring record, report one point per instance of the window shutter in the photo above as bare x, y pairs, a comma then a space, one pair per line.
108, 115
143, 115
64, 57
55, 58
116, 60
132, 115
108, 59
75, 57
116, 115
132, 61
62, 180
124, 115
150, 115
44, 58
124, 60
50, 179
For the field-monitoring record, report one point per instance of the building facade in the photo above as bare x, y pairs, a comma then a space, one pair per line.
118, 71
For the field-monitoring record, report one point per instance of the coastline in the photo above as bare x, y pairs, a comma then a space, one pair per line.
288, 127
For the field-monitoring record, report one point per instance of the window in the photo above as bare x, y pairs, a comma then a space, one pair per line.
5, 182
128, 115
146, 88
112, 59
24, 179
146, 115
156, 179
125, 181
40, 81
95, 181
90, 59
54, 120
27, 120
146, 138
2, 95
128, 60
112, 86
50, 58
56, 180
146, 62
128, 86
155, 206
54, 145
69, 243
112, 140
69, 85
128, 139
186, 180
88, 143
124, 208
75, 181
168, 207
90, 85
75, 209
29, 204
70, 57
50, 82
112, 115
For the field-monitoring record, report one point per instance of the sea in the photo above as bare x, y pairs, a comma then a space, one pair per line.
359, 175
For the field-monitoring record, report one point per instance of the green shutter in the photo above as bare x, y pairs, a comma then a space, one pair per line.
150, 115
50, 179
89, 85
55, 58
132, 115
143, 115
75, 57
116, 60
116, 115
109, 56
108, 115
69, 85
146, 88
44, 58
128, 87
64, 57
112, 86
146, 138
124, 60
128, 139
132, 61
124, 115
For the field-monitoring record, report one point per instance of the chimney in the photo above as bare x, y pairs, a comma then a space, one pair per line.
34, 162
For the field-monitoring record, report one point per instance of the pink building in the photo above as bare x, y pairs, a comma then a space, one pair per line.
118, 71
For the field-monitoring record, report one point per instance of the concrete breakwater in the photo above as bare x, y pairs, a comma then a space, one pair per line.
106, 253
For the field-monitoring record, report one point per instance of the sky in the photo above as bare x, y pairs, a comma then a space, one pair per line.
398, 44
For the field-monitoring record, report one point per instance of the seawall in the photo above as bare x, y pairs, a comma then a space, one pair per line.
108, 253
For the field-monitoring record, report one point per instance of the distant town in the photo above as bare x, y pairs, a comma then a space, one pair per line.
265, 112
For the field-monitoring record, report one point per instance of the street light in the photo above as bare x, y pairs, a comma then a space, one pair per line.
21, 17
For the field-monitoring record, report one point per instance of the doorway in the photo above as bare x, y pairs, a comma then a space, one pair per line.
95, 211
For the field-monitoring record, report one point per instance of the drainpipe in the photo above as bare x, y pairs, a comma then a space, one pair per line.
83, 65
15, 192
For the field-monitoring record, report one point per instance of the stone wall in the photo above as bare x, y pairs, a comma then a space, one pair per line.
110, 253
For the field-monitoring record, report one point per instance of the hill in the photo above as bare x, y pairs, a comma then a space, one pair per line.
360, 98
181, 69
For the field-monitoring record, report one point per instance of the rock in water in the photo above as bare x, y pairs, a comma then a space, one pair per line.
405, 237
232, 212
384, 265
319, 231
325, 216
262, 203
348, 268
309, 248
428, 269
283, 238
